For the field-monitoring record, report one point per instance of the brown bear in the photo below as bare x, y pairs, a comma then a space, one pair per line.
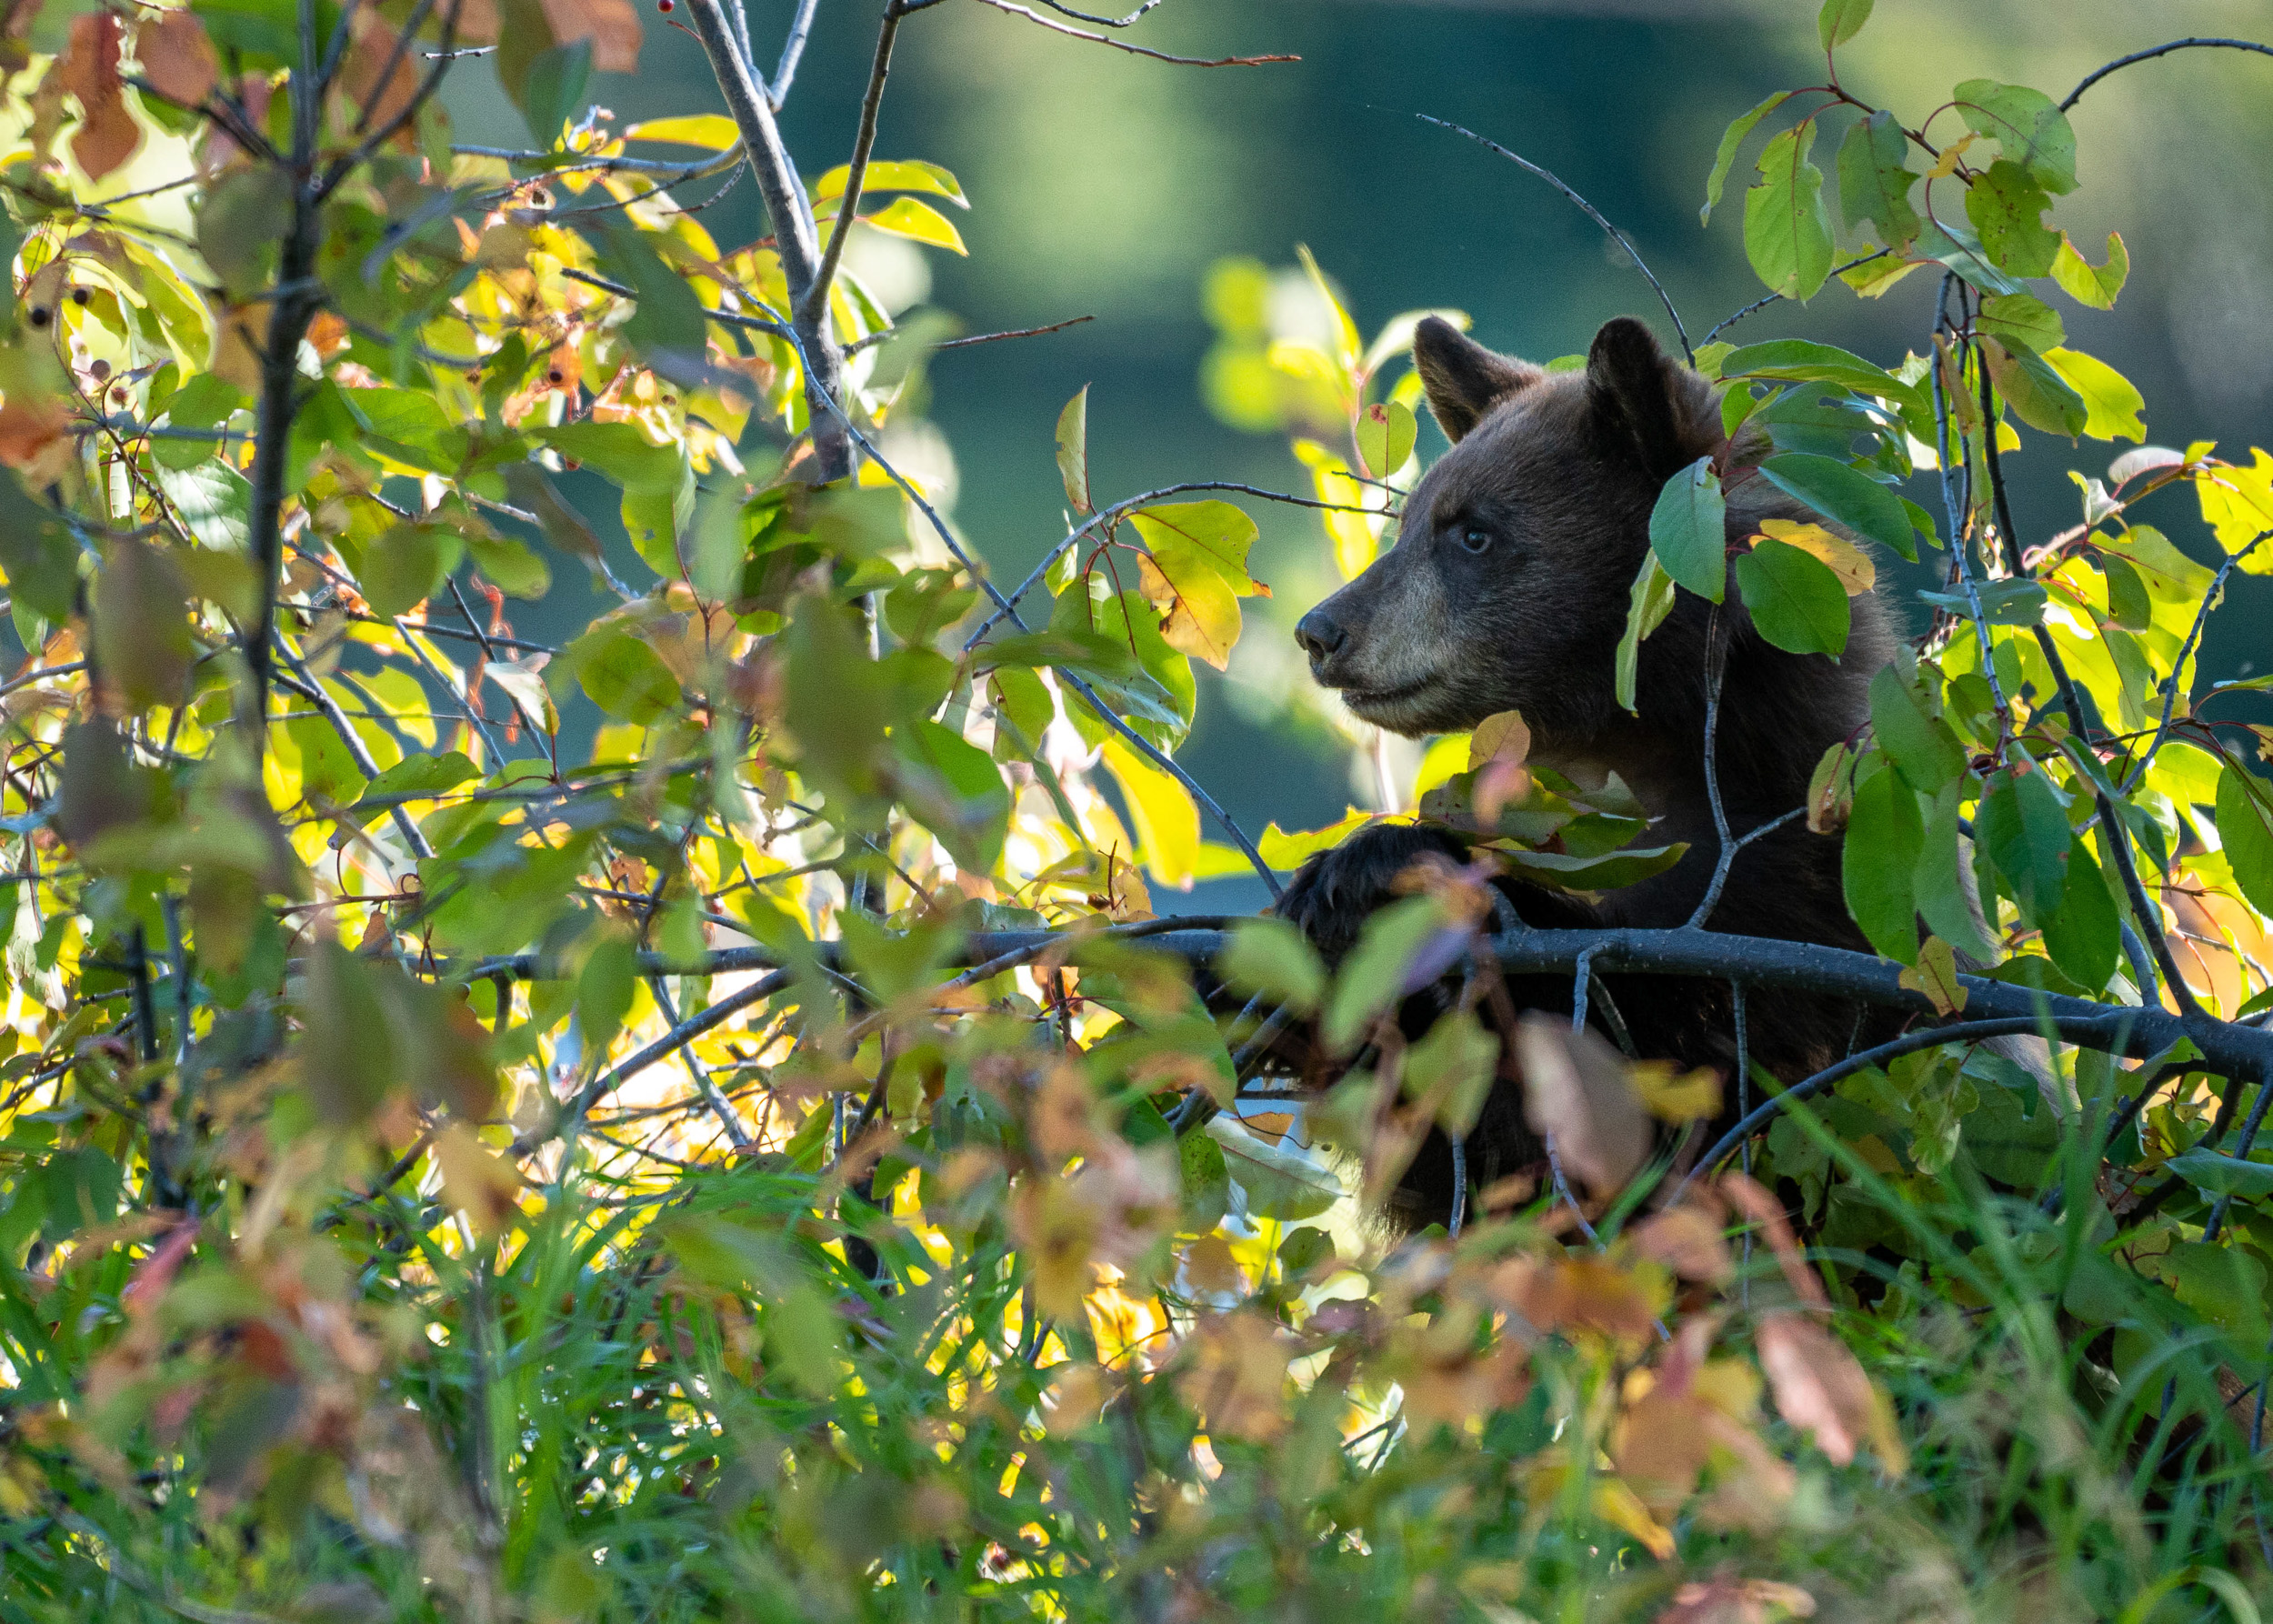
1507, 590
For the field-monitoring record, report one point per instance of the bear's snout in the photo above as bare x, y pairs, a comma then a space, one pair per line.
1321, 636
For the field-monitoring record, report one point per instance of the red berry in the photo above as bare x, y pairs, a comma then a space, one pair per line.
663, 4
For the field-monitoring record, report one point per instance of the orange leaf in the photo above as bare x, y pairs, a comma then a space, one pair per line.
1820, 1388
107, 133
370, 54
176, 57
612, 26
1575, 1088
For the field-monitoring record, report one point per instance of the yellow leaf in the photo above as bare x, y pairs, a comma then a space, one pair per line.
889, 174
1502, 737
1620, 1506
1199, 614
1355, 535
1936, 975
1167, 820
1284, 852
712, 130
2237, 502
1842, 558
918, 222
1682, 1097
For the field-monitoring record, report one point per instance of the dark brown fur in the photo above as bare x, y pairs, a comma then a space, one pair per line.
1507, 590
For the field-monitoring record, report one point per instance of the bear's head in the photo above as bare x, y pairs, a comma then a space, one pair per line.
1508, 585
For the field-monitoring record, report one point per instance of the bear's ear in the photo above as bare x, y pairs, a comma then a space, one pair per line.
1462, 379
1629, 383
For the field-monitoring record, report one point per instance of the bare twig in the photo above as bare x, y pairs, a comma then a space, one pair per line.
2148, 55
1122, 45
814, 305
1588, 209
790, 216
888, 334
792, 50
1763, 303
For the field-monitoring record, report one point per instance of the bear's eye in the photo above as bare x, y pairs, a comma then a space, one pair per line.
1474, 538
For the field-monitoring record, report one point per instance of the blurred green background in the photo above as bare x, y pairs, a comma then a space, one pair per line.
1106, 183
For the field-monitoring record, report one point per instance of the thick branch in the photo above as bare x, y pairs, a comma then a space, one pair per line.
791, 217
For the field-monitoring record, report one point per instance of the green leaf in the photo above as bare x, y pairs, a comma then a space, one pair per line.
1840, 21
1884, 832
668, 323
1875, 179
2038, 396
1838, 493
621, 451
621, 674
407, 564
2028, 127
2112, 403
510, 564
2086, 284
2003, 603
1688, 530
1648, 601
1801, 360
1793, 600
955, 789
1919, 744
1272, 957
1386, 435
2244, 828
2129, 604
1073, 450
2222, 1175
2020, 321
1372, 976
2023, 826
1453, 1066
1607, 871
423, 774
2084, 936
552, 89
1944, 901
1731, 139
1954, 246
1786, 231
2006, 206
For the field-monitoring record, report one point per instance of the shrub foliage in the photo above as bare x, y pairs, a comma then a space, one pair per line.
702, 1118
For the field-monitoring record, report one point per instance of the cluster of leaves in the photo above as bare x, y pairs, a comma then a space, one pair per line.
682, 1122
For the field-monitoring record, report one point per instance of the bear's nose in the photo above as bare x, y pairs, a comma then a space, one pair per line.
1320, 635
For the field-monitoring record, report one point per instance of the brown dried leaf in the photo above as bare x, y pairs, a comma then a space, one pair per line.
476, 1180
107, 133
1755, 1203
368, 56
1576, 1088
1820, 1388
142, 640
176, 57
1689, 1243
1726, 1600
612, 26
1235, 1376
